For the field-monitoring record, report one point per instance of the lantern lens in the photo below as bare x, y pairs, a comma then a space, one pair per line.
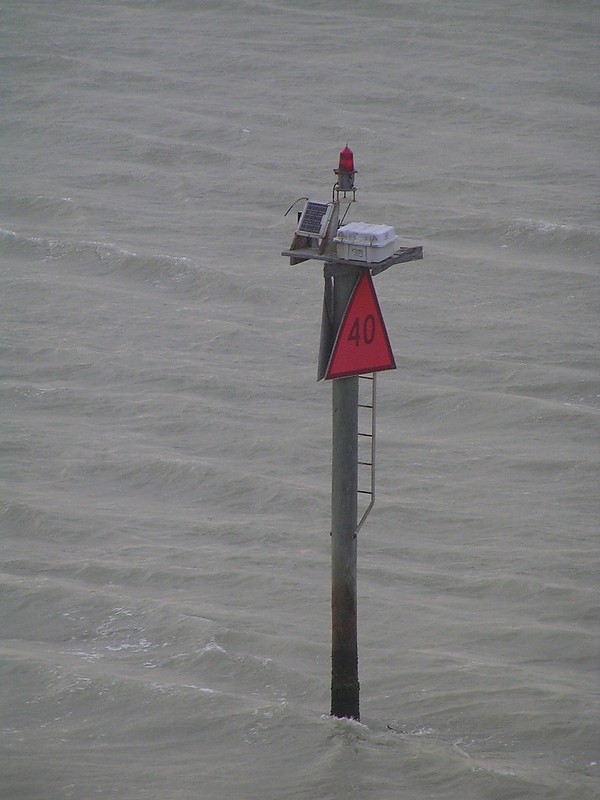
346, 160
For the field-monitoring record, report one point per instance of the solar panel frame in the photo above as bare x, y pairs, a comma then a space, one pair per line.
315, 219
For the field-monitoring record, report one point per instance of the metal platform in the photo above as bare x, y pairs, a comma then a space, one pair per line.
401, 256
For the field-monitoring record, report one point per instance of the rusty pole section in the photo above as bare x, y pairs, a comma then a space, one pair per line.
344, 484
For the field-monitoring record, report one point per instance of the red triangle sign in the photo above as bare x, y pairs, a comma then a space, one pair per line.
362, 344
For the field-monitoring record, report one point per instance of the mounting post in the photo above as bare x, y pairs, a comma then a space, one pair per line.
349, 294
344, 485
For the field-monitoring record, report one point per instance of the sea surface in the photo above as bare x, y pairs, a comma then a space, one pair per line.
165, 447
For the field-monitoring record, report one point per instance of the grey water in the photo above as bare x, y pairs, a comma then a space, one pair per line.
165, 448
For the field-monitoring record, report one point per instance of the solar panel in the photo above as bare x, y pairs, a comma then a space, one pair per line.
315, 218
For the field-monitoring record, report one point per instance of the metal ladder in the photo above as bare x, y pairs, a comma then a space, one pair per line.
366, 441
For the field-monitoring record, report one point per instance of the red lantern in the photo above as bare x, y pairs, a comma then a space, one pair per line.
345, 171
346, 160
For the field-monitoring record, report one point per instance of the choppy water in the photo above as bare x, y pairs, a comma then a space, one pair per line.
165, 448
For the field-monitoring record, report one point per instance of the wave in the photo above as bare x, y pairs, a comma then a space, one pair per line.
577, 241
110, 257
41, 206
206, 279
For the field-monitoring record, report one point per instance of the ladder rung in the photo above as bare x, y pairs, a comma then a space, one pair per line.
364, 491
365, 463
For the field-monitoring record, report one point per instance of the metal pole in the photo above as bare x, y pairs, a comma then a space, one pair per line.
344, 485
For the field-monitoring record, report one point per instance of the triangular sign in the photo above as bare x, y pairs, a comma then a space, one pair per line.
362, 344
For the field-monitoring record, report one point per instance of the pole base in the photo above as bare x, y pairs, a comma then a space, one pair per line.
345, 699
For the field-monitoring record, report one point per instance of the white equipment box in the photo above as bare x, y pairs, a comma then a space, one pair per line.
361, 241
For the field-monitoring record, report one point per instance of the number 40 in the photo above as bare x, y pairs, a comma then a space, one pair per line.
364, 332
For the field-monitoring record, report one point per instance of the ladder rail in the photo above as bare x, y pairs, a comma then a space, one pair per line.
371, 463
